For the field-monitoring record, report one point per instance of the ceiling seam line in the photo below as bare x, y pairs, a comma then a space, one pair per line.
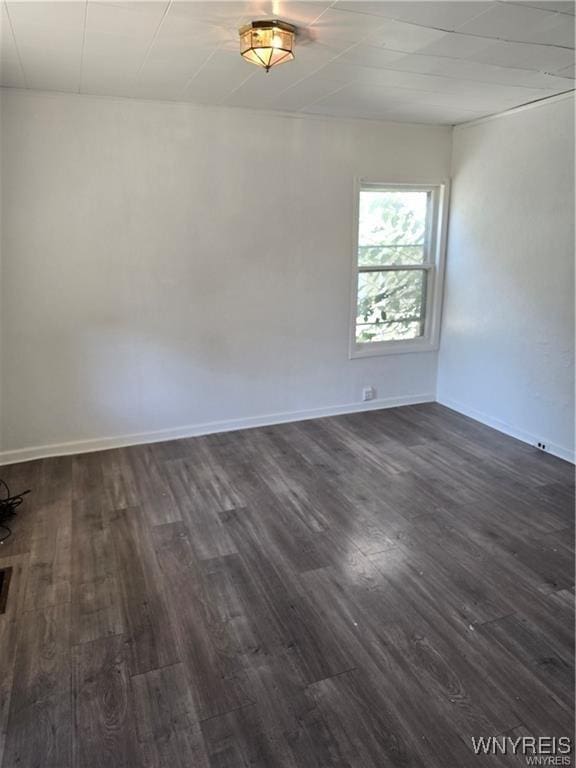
321, 98
423, 74
407, 88
458, 78
457, 31
237, 88
200, 68
20, 61
536, 7
456, 58
82, 47
203, 65
152, 41
402, 21
493, 115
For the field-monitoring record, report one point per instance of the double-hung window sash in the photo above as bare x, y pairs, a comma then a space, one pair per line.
396, 264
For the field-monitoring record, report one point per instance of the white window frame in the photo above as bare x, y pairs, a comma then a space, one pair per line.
434, 266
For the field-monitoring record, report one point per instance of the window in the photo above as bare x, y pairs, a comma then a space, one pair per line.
399, 250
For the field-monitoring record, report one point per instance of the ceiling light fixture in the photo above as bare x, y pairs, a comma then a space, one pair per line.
267, 43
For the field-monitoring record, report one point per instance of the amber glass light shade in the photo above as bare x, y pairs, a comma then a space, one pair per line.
267, 43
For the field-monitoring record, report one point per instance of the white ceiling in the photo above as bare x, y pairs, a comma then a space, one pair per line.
433, 62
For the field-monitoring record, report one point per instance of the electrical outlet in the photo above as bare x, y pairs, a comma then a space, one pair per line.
542, 446
368, 393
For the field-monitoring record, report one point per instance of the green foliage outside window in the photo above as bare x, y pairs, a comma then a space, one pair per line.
392, 232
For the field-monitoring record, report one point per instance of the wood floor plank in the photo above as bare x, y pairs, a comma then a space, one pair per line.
118, 481
530, 648
50, 544
260, 478
97, 609
39, 731
205, 643
9, 634
244, 605
306, 496
283, 727
104, 729
528, 700
149, 629
518, 585
186, 749
321, 653
385, 629
168, 730
162, 703
49, 580
145, 481
199, 501
370, 727
476, 536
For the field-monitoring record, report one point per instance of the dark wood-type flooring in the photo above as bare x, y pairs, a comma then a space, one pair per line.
367, 591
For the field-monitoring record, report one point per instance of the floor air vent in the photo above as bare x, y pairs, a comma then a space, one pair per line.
5, 574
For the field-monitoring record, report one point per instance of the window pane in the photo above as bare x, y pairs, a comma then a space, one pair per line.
392, 227
390, 305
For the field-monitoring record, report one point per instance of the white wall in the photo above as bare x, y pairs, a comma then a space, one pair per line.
167, 266
507, 349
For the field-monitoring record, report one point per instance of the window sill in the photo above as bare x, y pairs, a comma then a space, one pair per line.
377, 349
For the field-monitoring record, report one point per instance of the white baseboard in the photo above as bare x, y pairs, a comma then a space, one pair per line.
526, 437
195, 430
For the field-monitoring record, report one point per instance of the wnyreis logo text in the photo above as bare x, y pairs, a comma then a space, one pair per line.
540, 750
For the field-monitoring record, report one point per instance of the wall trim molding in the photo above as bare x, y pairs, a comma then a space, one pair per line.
526, 437
546, 100
207, 428
231, 425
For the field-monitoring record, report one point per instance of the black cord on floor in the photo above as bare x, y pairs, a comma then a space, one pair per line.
8, 505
